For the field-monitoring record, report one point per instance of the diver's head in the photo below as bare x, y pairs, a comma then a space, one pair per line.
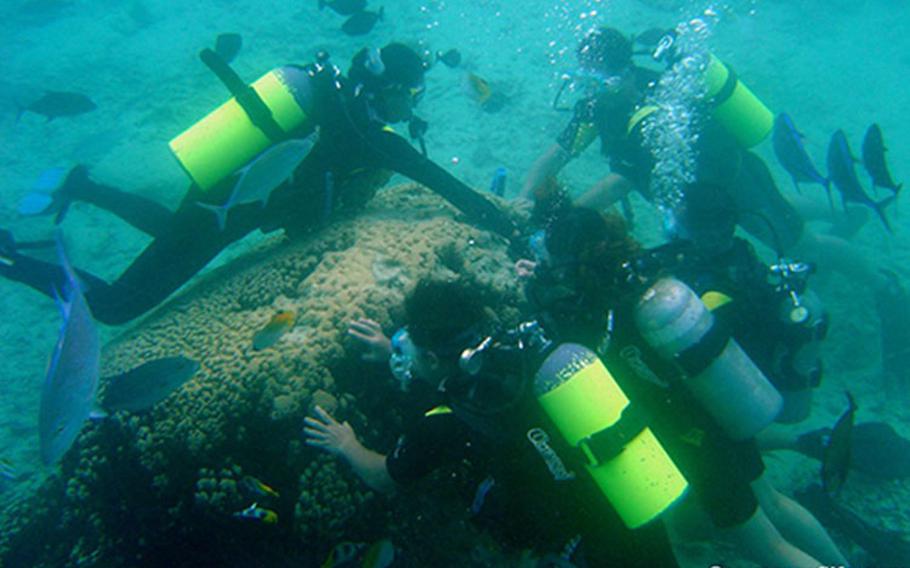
391, 79
584, 273
605, 51
443, 318
707, 216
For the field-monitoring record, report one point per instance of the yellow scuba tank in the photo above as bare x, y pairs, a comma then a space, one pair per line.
735, 106
256, 116
593, 414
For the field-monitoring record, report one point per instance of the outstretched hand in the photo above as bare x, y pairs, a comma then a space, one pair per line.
369, 333
327, 433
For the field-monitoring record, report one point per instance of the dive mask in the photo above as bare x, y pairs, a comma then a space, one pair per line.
401, 361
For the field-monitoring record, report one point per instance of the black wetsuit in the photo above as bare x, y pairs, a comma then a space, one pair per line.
719, 470
358, 152
525, 506
754, 314
762, 210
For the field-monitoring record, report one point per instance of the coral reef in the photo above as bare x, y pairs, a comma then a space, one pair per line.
172, 473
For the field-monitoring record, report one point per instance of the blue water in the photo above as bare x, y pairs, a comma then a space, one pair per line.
830, 64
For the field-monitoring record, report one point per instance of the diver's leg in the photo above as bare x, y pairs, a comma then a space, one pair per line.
191, 241
143, 213
797, 524
761, 542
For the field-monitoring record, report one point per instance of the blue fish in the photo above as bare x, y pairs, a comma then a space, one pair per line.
792, 155
146, 385
874, 159
842, 172
68, 395
273, 167
498, 185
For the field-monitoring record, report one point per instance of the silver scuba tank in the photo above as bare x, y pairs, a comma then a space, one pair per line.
676, 323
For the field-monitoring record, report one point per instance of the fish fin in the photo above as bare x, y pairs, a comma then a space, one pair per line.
35, 203
220, 212
796, 185
381, 14
879, 207
851, 401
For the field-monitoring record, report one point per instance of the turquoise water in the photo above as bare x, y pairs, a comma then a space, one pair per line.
830, 64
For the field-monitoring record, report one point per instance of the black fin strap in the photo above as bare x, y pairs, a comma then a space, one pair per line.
699, 356
603, 446
246, 96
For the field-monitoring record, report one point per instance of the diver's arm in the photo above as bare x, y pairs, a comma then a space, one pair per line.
339, 438
546, 166
395, 153
603, 194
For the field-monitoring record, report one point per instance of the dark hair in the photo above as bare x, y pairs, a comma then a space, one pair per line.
596, 246
443, 315
402, 66
605, 48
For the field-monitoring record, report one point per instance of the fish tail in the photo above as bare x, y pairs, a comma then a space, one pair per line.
220, 212
851, 402
879, 207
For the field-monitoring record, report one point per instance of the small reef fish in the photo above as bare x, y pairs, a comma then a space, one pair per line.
55, 104
8, 470
148, 384
228, 45
451, 58
252, 487
792, 155
272, 332
257, 514
68, 394
344, 7
264, 174
874, 159
380, 554
490, 100
362, 22
498, 185
343, 554
843, 174
480, 495
837, 453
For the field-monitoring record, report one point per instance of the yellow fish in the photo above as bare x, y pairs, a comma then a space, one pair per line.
255, 488
257, 514
272, 332
480, 88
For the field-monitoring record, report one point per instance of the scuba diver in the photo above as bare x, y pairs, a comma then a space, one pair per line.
777, 320
706, 400
618, 112
535, 492
355, 153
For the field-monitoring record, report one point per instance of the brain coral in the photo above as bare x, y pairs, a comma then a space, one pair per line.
170, 475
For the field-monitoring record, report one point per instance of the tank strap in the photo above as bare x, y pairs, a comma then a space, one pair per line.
726, 91
699, 356
247, 97
608, 443
639, 115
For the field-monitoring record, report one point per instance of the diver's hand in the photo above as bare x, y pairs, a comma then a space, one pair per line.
369, 333
524, 268
330, 435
